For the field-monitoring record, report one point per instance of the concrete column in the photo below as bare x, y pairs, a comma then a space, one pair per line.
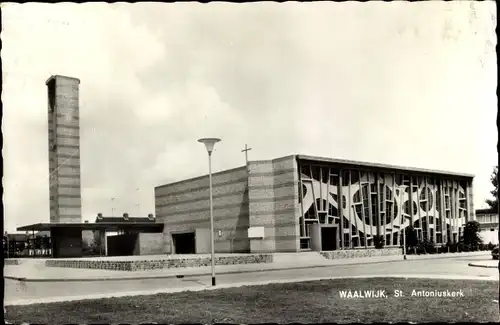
104, 246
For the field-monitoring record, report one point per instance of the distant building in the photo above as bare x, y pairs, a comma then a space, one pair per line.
124, 218
488, 221
25, 244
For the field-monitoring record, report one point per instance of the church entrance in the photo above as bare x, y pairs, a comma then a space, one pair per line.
184, 243
329, 238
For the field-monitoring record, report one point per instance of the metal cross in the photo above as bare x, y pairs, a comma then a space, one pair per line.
246, 153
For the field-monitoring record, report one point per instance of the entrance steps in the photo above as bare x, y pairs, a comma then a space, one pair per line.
299, 258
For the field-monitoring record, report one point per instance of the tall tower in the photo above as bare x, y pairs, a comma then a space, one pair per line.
64, 150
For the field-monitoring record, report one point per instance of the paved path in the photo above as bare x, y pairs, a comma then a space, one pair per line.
35, 270
18, 292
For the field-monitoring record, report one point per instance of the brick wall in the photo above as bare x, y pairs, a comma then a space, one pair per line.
184, 207
149, 244
273, 204
287, 208
261, 204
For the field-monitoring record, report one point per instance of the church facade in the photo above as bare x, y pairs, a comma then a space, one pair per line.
300, 202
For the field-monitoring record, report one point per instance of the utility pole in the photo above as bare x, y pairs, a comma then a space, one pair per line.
246, 153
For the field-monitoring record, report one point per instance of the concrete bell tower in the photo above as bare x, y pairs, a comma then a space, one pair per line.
64, 149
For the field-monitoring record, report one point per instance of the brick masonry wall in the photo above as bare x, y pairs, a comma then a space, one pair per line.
160, 263
354, 253
273, 204
184, 207
286, 204
261, 204
150, 244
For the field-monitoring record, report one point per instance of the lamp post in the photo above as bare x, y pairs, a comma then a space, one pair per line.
404, 228
209, 144
404, 235
404, 243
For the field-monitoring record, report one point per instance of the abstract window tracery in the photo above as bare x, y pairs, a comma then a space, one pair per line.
375, 203
426, 199
406, 208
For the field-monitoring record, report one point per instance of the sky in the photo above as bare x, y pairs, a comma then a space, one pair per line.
410, 84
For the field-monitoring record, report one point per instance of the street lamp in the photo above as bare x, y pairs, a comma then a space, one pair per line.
209, 144
404, 236
404, 243
405, 216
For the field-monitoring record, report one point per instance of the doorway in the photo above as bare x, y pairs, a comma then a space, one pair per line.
184, 243
121, 245
328, 238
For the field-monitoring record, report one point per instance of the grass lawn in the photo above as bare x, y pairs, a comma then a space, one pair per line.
304, 302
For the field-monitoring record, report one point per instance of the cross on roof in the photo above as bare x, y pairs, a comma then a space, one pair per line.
246, 153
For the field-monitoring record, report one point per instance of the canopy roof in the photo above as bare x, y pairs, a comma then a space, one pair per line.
110, 226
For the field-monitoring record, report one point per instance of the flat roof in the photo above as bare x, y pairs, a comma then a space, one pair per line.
123, 220
146, 226
56, 76
381, 166
488, 225
331, 161
486, 211
222, 172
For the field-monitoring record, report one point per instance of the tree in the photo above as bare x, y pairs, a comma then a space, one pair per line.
96, 243
471, 239
493, 203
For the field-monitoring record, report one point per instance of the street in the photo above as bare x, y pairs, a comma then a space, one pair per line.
16, 291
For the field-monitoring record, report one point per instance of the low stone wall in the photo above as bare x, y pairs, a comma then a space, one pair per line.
9, 261
155, 264
87, 264
355, 253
